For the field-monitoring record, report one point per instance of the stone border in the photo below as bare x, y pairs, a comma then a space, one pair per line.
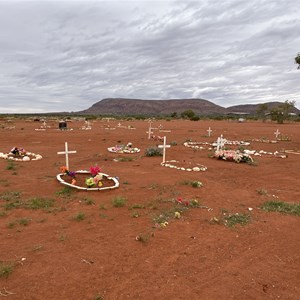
195, 169
126, 151
292, 151
264, 141
9, 156
194, 145
59, 178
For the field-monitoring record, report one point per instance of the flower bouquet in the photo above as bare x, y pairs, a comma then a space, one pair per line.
92, 180
233, 155
20, 154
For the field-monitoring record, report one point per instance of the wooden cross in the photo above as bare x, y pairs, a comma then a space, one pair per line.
164, 146
277, 133
209, 131
67, 152
149, 131
220, 142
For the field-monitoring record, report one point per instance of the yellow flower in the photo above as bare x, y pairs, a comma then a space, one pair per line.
177, 215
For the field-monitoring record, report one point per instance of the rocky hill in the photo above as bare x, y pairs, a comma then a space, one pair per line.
122, 106
251, 109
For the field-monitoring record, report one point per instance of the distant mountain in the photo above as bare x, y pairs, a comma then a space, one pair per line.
125, 107
121, 106
251, 109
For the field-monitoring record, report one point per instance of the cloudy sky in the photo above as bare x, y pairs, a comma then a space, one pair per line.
67, 55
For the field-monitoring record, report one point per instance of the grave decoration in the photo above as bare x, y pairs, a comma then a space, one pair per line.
198, 145
43, 127
209, 131
174, 164
221, 142
20, 154
184, 166
230, 155
63, 126
92, 180
127, 149
280, 154
86, 126
233, 155
264, 140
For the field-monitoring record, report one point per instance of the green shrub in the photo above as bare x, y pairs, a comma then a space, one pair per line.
39, 203
282, 207
119, 201
153, 152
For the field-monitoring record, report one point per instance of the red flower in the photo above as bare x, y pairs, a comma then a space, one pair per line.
95, 170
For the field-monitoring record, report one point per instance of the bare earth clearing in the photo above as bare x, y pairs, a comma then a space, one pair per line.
58, 256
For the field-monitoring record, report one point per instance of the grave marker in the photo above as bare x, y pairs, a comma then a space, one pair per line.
277, 133
209, 131
164, 146
220, 142
149, 131
67, 152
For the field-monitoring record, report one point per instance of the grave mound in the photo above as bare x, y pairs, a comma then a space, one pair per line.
20, 154
127, 149
93, 180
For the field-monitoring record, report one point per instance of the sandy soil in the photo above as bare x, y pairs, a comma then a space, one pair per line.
56, 256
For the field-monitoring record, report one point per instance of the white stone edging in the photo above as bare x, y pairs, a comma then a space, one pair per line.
170, 164
26, 157
116, 185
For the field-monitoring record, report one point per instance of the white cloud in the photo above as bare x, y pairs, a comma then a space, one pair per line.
66, 55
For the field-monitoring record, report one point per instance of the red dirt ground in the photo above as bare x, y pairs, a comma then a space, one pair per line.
191, 258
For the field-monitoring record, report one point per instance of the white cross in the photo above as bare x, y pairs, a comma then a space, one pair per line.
164, 146
209, 131
44, 124
119, 125
149, 131
220, 142
277, 133
67, 152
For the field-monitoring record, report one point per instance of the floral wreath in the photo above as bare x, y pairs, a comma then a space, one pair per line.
172, 164
93, 182
20, 154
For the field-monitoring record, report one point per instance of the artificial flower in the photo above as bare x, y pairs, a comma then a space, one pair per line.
95, 170
90, 182
64, 169
177, 215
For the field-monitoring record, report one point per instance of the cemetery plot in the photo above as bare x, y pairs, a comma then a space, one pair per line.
20, 154
127, 149
88, 181
93, 180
